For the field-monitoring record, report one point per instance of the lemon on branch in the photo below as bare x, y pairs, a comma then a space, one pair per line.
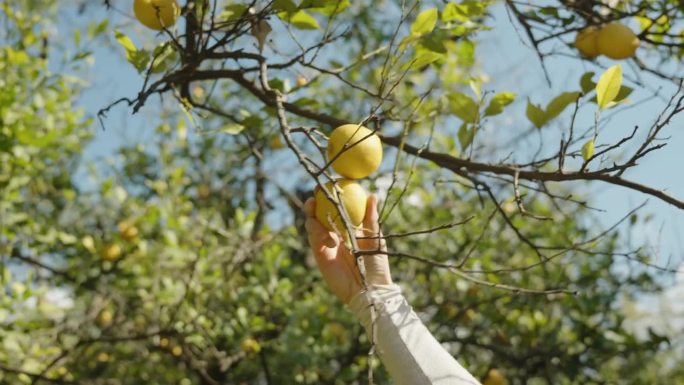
586, 42
156, 14
127, 230
355, 151
111, 252
350, 194
617, 41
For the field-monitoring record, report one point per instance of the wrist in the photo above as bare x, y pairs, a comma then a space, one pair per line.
380, 279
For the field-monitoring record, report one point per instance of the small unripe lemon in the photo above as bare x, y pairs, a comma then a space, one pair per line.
103, 357
617, 41
359, 149
276, 143
468, 316
352, 196
586, 42
494, 377
156, 14
127, 230
111, 252
164, 342
250, 345
203, 191
104, 319
177, 351
338, 331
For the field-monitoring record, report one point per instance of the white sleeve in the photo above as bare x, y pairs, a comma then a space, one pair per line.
407, 349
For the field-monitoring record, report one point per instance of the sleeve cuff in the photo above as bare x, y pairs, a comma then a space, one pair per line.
381, 296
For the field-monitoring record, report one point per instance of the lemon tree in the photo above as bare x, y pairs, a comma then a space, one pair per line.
183, 258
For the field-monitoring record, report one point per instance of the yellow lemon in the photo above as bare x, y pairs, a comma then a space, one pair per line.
104, 319
103, 357
111, 252
276, 143
127, 230
356, 149
352, 196
469, 316
617, 41
338, 331
177, 351
203, 191
586, 42
250, 345
156, 14
494, 377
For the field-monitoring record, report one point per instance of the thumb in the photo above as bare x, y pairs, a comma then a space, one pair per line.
377, 265
371, 227
370, 220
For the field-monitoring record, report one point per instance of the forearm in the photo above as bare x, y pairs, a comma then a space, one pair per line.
409, 352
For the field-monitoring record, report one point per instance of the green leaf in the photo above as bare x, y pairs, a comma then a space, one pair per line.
433, 42
302, 20
125, 41
465, 136
233, 12
466, 52
624, 92
499, 102
36, 138
476, 86
425, 22
232, 128
139, 58
588, 150
609, 85
422, 59
586, 84
164, 55
559, 103
333, 7
536, 115
464, 107
551, 11
452, 12
97, 30
284, 6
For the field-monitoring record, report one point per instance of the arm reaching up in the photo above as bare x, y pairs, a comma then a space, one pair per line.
410, 353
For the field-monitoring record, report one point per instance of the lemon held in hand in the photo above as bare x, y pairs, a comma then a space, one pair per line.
360, 148
586, 42
617, 41
156, 14
352, 196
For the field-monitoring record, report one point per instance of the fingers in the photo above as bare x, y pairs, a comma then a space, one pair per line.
370, 221
377, 265
371, 227
319, 236
310, 207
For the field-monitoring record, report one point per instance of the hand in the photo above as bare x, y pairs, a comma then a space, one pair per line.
336, 261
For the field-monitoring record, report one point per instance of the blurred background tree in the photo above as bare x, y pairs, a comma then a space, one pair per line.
182, 260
